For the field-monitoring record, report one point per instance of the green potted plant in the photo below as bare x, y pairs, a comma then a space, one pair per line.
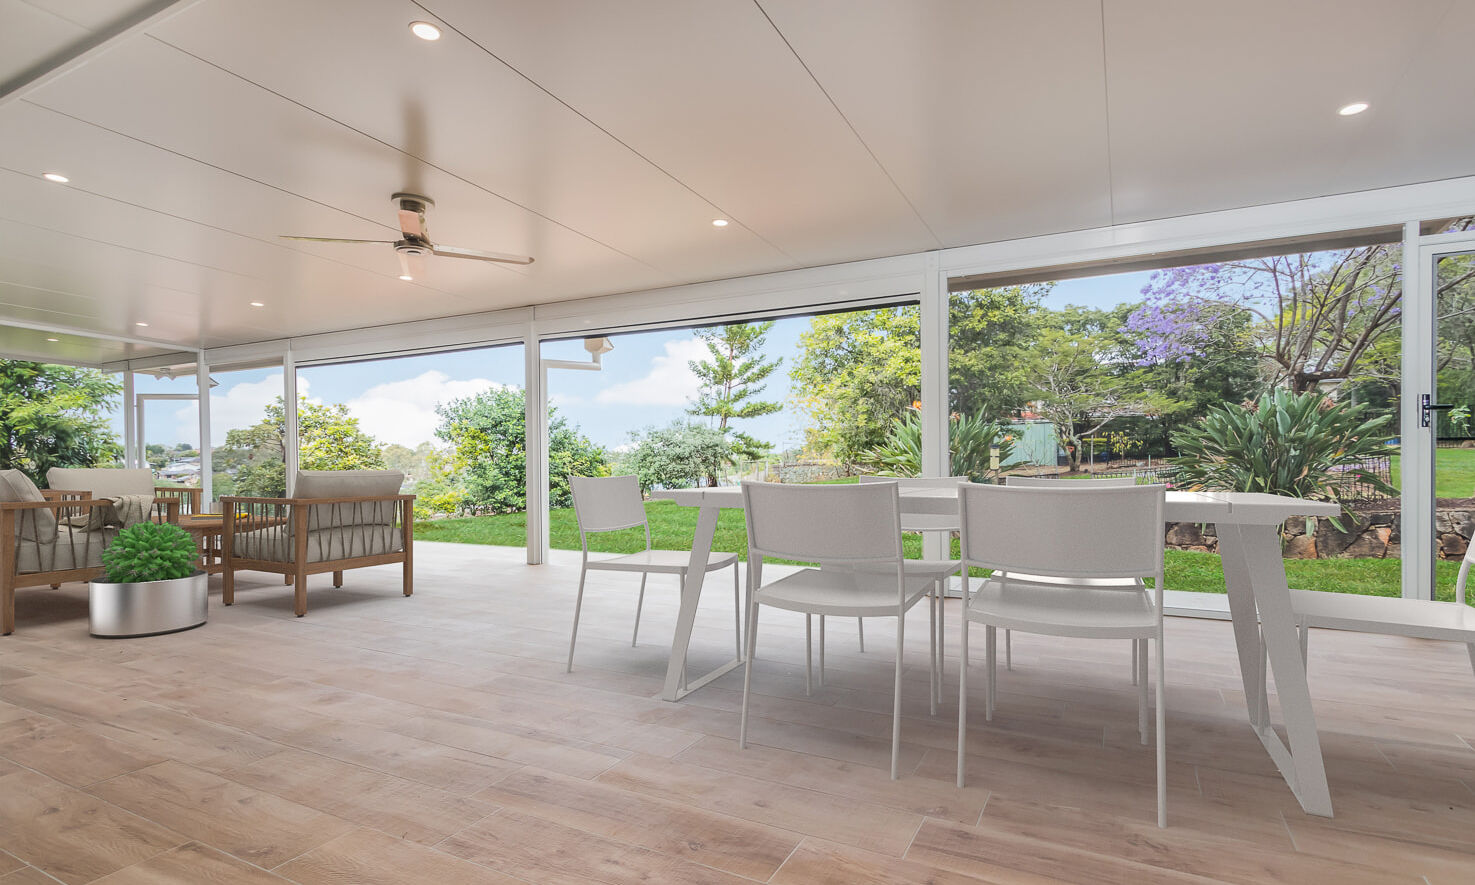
151, 583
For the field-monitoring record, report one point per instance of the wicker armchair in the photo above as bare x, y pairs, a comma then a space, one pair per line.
339, 520
49, 537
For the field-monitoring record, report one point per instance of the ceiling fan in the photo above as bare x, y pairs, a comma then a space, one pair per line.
415, 243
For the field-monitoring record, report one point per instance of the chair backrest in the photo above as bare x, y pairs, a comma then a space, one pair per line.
1069, 530
607, 503
38, 524
828, 523
103, 482
348, 484
1047, 482
923, 522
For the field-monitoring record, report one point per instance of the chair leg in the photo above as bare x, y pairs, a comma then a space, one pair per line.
56, 586
1162, 741
1008, 649
639, 604
337, 579
808, 654
962, 696
574, 633
821, 679
299, 595
989, 640
752, 634
1305, 642
1139, 676
228, 586
737, 612
860, 631
1470, 647
901, 626
287, 579
941, 633
932, 651
7, 602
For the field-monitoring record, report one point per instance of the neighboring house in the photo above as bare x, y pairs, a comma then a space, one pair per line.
187, 472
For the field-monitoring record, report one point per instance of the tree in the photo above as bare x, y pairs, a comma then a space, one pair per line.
1316, 316
55, 416
157, 456
488, 460
1081, 378
732, 376
328, 437
862, 369
677, 456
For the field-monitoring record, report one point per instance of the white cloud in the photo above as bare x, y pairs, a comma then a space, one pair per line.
670, 381
235, 407
404, 411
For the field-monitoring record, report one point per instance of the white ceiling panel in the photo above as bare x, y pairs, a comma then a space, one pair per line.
990, 116
69, 349
30, 35
452, 105
1224, 105
786, 164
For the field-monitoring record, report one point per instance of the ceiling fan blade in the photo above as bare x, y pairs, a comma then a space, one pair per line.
412, 223
333, 240
503, 257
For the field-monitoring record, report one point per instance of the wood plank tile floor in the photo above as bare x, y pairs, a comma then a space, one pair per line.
438, 739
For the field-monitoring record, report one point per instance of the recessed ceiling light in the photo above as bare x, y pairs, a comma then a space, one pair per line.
140, 324
56, 177
257, 304
406, 277
1348, 110
425, 30
719, 222
53, 340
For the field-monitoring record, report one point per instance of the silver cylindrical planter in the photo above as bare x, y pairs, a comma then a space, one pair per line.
147, 608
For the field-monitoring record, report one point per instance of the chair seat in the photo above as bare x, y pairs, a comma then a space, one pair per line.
845, 592
1062, 609
1395, 616
69, 550
662, 561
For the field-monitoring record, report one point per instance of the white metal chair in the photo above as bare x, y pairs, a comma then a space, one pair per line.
1076, 535
857, 526
612, 503
1049, 482
1392, 616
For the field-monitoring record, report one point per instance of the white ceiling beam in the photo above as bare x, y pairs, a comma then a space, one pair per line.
93, 46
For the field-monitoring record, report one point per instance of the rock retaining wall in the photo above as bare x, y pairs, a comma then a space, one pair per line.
1370, 533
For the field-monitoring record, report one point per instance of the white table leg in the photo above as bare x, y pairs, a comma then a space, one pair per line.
1260, 601
691, 594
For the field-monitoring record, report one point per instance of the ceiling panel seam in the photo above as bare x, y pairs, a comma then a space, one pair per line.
723, 213
937, 241
1106, 109
508, 200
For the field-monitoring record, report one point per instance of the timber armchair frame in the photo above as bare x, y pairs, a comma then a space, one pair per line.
46, 543
297, 537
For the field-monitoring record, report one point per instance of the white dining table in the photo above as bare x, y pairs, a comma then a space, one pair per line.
1247, 524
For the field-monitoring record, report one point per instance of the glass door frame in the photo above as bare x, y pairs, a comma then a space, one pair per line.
1417, 442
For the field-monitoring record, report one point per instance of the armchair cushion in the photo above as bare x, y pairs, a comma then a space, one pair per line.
348, 542
103, 482
31, 525
67, 550
348, 484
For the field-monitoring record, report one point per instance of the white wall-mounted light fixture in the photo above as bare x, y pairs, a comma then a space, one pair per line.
597, 347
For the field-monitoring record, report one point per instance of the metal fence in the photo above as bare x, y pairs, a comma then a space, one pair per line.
1356, 481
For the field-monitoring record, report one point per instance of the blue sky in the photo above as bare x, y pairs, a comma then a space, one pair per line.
645, 382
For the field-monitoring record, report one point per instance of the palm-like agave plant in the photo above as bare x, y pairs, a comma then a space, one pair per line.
972, 441
1300, 445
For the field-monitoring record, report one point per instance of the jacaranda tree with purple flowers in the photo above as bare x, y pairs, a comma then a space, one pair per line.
1314, 317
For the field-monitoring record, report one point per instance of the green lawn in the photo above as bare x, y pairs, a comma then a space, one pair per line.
1454, 473
672, 527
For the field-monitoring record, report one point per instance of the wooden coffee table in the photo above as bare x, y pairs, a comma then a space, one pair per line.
206, 529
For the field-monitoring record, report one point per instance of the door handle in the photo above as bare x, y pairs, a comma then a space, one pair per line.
1427, 407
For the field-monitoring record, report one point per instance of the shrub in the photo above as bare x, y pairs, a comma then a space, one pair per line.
149, 551
679, 455
972, 441
1298, 444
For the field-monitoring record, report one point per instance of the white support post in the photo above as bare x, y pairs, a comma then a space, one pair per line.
202, 390
131, 445
293, 451
535, 446
1416, 443
935, 454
